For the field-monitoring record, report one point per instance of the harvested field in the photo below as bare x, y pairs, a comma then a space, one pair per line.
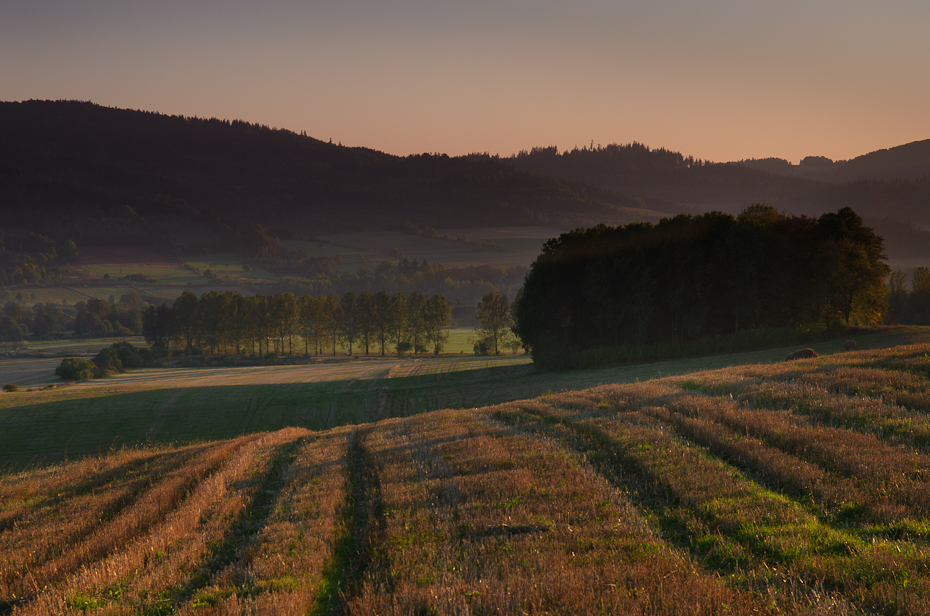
166, 531
809, 479
796, 488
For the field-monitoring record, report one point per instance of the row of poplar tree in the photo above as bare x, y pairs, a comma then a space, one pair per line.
231, 322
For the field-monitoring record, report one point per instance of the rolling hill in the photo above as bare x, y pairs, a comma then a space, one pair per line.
103, 176
890, 189
910, 161
99, 176
886, 184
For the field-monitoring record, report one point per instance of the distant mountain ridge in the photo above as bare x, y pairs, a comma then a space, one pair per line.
100, 175
636, 169
659, 173
910, 161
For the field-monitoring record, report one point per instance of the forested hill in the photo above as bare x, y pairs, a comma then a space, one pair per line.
635, 169
100, 175
910, 161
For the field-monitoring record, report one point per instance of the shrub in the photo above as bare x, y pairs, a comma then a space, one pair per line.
75, 369
483, 347
115, 358
11, 387
128, 355
108, 361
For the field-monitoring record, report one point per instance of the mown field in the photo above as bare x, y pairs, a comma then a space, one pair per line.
780, 488
190, 404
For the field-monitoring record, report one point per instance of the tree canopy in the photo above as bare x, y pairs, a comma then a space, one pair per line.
690, 277
228, 322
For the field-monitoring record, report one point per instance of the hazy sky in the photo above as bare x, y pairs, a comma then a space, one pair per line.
720, 80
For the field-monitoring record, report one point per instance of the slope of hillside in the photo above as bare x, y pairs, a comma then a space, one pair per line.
793, 488
730, 187
910, 161
100, 175
637, 169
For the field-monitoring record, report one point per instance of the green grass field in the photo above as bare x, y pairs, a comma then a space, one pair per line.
225, 265
176, 404
166, 274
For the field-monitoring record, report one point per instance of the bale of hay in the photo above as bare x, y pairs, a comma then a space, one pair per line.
801, 354
850, 345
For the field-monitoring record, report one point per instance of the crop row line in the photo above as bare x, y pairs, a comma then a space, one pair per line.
142, 569
727, 521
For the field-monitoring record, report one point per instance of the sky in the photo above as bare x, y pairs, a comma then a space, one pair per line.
719, 80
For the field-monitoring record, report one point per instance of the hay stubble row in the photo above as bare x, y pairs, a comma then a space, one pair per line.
797, 489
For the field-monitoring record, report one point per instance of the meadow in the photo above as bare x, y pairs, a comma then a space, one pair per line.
168, 405
756, 488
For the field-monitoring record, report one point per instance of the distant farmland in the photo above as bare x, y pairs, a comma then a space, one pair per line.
189, 404
104, 270
787, 488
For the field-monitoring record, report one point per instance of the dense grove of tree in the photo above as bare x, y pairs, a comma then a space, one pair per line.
90, 319
30, 258
283, 323
691, 277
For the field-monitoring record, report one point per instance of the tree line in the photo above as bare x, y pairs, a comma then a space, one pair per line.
228, 322
33, 258
691, 277
94, 318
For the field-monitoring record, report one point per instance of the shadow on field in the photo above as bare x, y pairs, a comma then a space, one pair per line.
46, 428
